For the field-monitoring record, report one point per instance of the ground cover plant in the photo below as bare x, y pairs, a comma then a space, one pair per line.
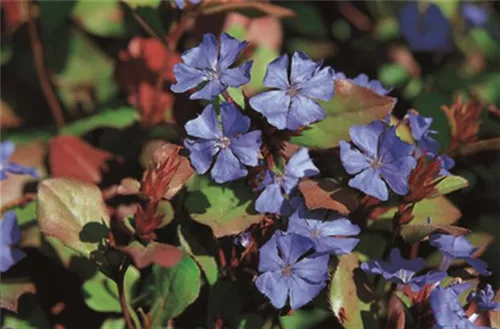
249, 164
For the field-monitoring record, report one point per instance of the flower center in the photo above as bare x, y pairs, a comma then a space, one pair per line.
287, 270
293, 91
315, 233
213, 74
377, 163
224, 142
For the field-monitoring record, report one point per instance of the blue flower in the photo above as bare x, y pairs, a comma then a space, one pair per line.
484, 299
474, 14
363, 80
293, 103
6, 150
204, 64
274, 185
10, 234
381, 154
234, 147
457, 247
421, 133
425, 28
243, 239
447, 310
326, 229
180, 3
402, 271
286, 271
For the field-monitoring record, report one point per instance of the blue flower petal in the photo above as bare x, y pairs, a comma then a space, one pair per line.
205, 55
396, 174
6, 150
237, 76
9, 229
231, 48
213, 88
303, 291
392, 147
340, 226
313, 269
269, 259
303, 111
15, 168
300, 165
418, 282
337, 246
270, 200
369, 182
205, 125
367, 137
187, 77
320, 86
303, 68
247, 147
474, 14
201, 153
292, 246
274, 105
227, 167
479, 265
277, 73
419, 125
274, 286
9, 257
352, 160
233, 121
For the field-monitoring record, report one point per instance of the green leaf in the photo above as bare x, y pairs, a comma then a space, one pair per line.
308, 22
53, 16
30, 315
351, 105
348, 296
101, 293
102, 18
87, 76
175, 289
304, 319
10, 292
248, 321
450, 184
486, 42
120, 118
143, 3
393, 75
261, 57
118, 323
227, 209
73, 212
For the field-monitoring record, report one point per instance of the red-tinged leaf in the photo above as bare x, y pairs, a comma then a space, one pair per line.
73, 212
264, 31
325, 193
263, 7
72, 157
138, 74
351, 105
168, 173
161, 254
14, 14
10, 292
8, 118
396, 313
129, 186
492, 144
30, 155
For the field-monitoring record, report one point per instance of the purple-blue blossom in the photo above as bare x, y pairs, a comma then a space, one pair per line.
10, 234
289, 272
180, 3
205, 67
292, 102
380, 156
276, 185
402, 271
233, 146
326, 229
425, 27
363, 80
474, 14
6, 150
457, 247
422, 134
447, 310
485, 299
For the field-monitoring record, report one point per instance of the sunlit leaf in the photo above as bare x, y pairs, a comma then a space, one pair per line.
263, 7
175, 289
326, 193
227, 209
351, 105
159, 254
304, 319
450, 184
10, 292
100, 18
348, 296
113, 323
73, 212
143, 3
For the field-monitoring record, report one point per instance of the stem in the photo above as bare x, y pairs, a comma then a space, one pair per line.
414, 250
123, 298
147, 27
37, 49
